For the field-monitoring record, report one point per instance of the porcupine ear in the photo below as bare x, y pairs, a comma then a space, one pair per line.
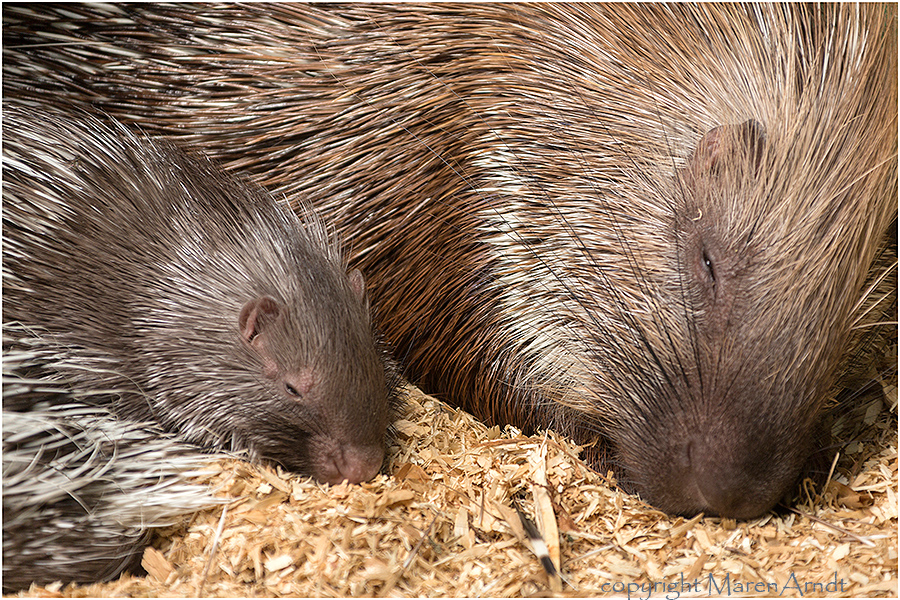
358, 284
724, 144
256, 316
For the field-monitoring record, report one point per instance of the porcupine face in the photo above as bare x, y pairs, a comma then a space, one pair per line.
731, 420
329, 389
552, 234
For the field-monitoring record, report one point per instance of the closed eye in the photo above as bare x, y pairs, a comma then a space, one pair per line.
291, 390
708, 265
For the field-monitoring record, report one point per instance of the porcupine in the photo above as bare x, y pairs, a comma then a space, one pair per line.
659, 226
229, 320
82, 489
154, 288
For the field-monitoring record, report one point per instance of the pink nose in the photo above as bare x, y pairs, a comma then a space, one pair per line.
354, 464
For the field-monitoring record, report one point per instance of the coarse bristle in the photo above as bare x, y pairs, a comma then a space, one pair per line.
82, 489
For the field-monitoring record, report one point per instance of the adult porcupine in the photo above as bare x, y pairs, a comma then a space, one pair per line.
649, 223
81, 488
221, 316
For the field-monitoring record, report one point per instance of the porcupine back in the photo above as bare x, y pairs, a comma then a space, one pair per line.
655, 225
223, 318
82, 489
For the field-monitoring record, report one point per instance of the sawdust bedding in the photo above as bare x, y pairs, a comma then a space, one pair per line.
445, 523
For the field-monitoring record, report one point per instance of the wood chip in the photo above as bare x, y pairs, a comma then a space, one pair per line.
156, 564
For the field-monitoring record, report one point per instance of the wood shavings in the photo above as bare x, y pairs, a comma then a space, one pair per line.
442, 524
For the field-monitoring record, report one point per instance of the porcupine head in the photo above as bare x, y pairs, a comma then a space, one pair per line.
263, 322
738, 420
